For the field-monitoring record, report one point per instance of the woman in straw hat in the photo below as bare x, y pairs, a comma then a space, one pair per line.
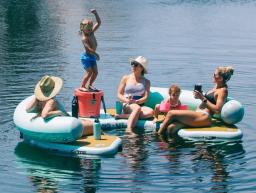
46, 105
133, 91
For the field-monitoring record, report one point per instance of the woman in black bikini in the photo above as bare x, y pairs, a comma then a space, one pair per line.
212, 103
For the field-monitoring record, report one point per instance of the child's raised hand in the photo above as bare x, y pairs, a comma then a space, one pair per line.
93, 11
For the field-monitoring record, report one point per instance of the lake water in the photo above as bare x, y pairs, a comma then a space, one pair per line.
184, 40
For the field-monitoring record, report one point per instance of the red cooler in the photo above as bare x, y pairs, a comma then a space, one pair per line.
88, 103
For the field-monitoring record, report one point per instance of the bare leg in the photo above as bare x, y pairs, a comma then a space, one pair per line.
86, 77
88, 127
156, 112
146, 112
173, 128
186, 117
94, 74
165, 123
122, 116
133, 118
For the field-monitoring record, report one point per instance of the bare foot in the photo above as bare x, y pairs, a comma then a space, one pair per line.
130, 133
159, 132
93, 88
117, 116
83, 89
163, 138
120, 116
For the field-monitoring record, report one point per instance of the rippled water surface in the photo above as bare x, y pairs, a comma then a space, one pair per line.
184, 40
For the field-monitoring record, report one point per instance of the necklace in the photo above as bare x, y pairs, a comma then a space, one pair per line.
175, 105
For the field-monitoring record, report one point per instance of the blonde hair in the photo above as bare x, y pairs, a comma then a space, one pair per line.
86, 23
174, 89
226, 72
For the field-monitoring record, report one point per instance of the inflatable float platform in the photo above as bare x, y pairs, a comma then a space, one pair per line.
61, 133
223, 125
64, 134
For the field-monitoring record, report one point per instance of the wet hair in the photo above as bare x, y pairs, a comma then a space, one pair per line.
225, 72
174, 89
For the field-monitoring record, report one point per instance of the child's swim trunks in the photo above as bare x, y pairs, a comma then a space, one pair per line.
88, 60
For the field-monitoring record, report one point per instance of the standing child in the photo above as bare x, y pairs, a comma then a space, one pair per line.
172, 103
89, 57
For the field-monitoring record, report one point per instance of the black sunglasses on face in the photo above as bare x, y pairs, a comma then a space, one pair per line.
135, 64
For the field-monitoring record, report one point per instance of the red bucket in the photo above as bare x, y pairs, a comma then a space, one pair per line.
89, 103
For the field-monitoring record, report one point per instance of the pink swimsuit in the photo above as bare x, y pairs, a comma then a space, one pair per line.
165, 106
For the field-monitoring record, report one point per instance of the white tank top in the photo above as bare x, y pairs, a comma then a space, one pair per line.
135, 89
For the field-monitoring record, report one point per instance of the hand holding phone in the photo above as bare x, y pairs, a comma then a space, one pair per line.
198, 87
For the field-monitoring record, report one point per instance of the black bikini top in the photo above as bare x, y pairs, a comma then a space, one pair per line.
210, 97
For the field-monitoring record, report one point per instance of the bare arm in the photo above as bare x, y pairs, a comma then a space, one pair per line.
98, 20
49, 106
50, 110
216, 108
120, 91
32, 105
222, 95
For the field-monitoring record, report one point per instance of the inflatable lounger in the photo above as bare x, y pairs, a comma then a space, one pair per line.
218, 131
61, 133
107, 145
222, 127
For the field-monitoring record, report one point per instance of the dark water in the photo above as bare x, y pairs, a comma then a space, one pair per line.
185, 40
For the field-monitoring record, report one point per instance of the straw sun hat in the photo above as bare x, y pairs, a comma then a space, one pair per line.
142, 61
48, 87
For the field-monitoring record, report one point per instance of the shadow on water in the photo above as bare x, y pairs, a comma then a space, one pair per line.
212, 160
49, 172
136, 155
218, 159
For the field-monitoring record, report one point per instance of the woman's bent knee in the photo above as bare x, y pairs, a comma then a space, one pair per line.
151, 112
137, 108
169, 114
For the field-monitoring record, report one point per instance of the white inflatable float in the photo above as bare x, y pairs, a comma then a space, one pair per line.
107, 145
58, 129
222, 127
61, 133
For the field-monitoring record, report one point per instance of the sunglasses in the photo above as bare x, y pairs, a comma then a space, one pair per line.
86, 26
135, 64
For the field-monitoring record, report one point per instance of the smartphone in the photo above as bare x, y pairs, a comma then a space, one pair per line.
198, 87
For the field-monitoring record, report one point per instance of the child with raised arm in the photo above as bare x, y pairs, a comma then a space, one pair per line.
172, 103
89, 57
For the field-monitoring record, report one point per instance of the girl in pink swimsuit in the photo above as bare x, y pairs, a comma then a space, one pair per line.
172, 103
